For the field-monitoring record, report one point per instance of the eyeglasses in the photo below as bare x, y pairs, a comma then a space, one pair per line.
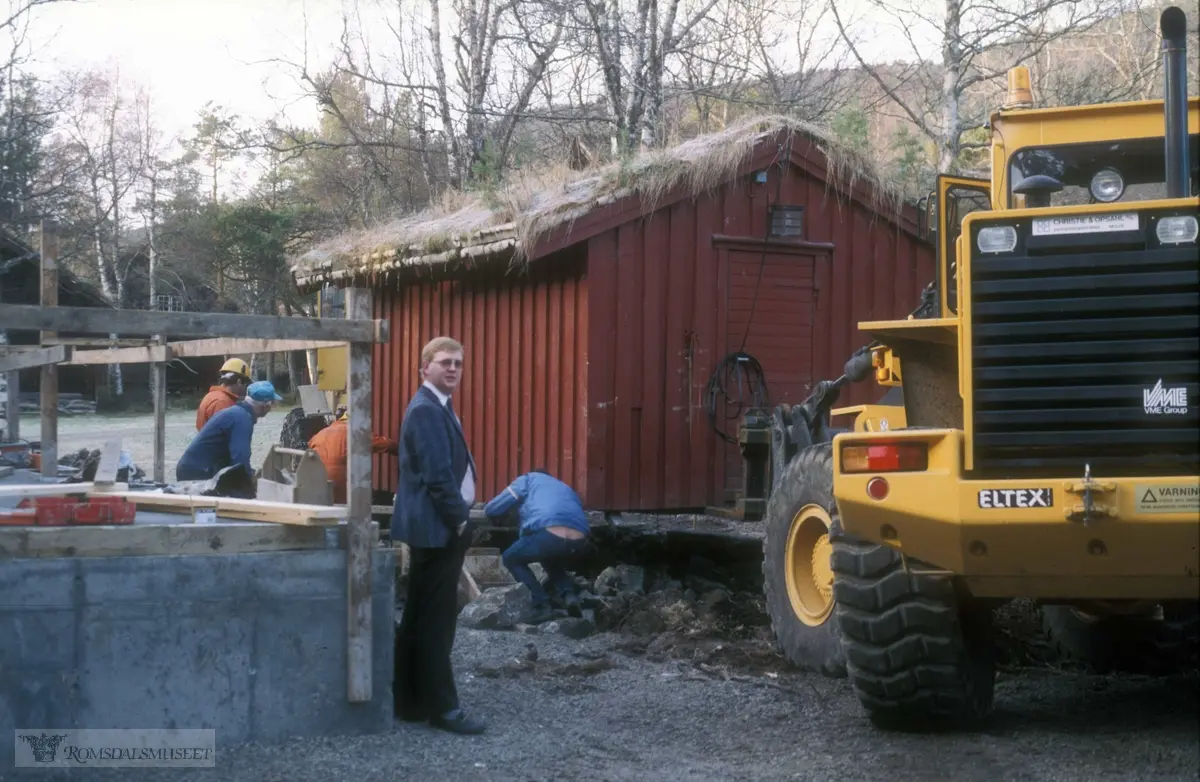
447, 363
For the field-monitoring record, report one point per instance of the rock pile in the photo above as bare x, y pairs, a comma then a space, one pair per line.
654, 613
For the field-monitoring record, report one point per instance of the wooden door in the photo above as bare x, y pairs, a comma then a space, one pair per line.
768, 314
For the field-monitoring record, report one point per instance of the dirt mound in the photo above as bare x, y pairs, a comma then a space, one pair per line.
710, 623
699, 619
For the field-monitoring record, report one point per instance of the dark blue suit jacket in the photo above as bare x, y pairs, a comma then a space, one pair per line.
434, 459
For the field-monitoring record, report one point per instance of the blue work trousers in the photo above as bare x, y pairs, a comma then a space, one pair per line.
553, 553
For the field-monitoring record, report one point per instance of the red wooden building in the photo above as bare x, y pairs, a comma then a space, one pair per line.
591, 356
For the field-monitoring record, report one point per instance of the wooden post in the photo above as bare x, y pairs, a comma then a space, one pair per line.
12, 401
13, 405
160, 417
358, 519
48, 392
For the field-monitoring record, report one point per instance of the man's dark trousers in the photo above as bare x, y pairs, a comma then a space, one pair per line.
424, 679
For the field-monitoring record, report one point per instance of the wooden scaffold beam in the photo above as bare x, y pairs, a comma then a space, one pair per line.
94, 320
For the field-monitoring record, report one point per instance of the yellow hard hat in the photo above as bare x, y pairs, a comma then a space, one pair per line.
237, 367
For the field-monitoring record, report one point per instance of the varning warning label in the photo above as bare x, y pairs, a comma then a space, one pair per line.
1168, 499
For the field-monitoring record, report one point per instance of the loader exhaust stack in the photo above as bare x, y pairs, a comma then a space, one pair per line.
1173, 24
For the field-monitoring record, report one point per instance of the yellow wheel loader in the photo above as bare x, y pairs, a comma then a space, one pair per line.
1047, 442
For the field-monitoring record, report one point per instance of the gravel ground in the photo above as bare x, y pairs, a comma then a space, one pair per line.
586, 711
137, 434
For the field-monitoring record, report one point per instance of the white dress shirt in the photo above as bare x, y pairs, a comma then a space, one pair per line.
468, 484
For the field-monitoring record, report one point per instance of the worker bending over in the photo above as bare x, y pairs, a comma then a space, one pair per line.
235, 377
553, 532
331, 446
225, 439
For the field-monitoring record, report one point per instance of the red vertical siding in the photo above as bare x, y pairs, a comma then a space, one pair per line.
666, 304
526, 356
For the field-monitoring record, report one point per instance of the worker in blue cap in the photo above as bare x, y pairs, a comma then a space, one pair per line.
225, 439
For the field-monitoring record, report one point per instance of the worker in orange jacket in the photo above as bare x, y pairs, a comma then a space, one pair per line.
330, 445
235, 377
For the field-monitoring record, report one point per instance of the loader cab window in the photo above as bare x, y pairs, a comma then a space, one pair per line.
958, 201
1126, 170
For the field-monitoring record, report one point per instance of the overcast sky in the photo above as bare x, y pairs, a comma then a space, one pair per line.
192, 51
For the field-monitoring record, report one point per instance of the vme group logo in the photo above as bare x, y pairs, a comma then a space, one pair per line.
1165, 401
168, 748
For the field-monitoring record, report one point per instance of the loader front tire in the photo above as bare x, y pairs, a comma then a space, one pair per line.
917, 656
797, 578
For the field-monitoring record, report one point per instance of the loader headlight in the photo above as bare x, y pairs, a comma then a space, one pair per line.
997, 239
1107, 185
1177, 230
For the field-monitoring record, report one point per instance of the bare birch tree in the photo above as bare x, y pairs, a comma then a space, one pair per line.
765, 56
976, 42
636, 43
100, 134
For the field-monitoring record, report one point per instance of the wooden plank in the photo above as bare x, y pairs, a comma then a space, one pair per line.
23, 490
14, 361
195, 348
189, 324
99, 342
146, 355
223, 537
48, 388
466, 582
242, 346
358, 496
110, 458
160, 420
279, 513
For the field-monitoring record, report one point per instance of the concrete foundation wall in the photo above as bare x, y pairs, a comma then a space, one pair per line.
251, 645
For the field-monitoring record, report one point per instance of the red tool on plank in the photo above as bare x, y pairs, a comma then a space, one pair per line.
64, 512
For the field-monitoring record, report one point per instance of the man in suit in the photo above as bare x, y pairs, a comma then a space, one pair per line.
434, 494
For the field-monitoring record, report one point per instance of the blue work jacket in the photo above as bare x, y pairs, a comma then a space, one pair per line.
544, 502
223, 441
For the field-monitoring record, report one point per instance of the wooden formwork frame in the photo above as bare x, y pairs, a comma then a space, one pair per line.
217, 334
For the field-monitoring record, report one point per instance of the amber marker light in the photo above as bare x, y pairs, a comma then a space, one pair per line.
885, 457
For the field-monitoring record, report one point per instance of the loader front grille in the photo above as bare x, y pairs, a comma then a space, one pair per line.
1086, 357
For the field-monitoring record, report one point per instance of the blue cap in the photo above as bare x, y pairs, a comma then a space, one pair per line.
263, 391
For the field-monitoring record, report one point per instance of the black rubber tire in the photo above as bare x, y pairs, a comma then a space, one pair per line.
917, 656
1127, 644
808, 479
299, 428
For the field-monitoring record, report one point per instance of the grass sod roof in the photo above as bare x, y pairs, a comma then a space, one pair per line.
510, 219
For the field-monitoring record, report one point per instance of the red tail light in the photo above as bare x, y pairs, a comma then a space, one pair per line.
885, 457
